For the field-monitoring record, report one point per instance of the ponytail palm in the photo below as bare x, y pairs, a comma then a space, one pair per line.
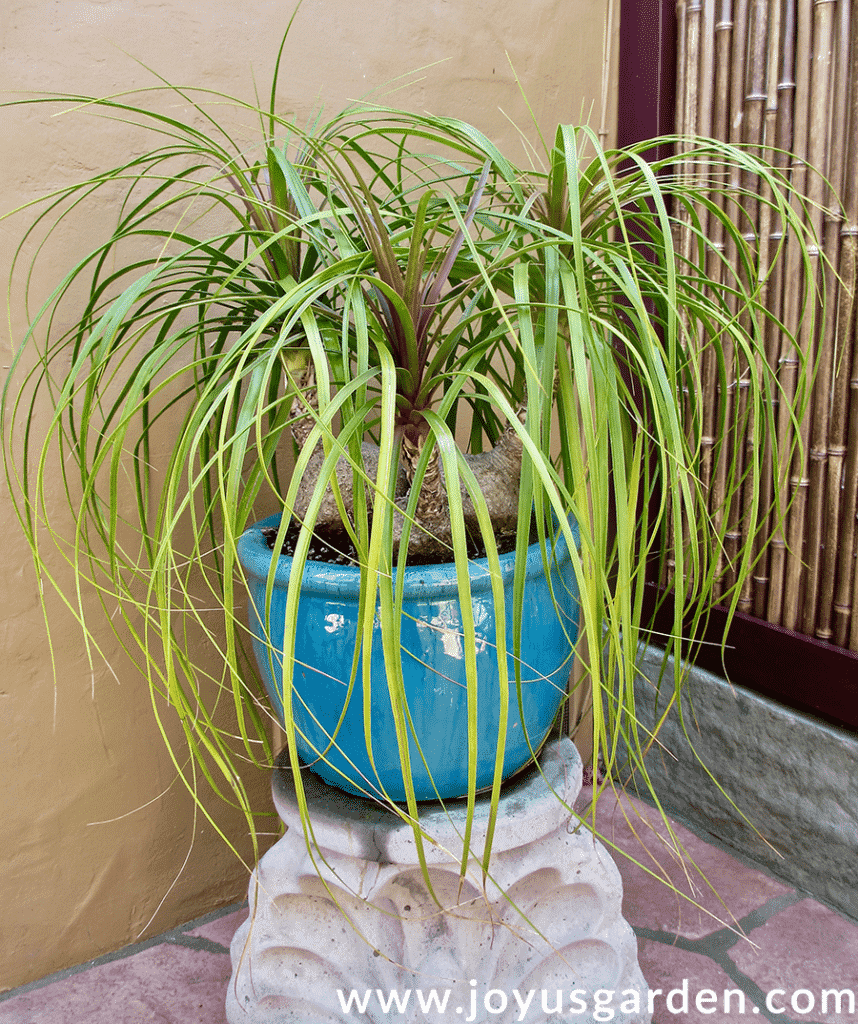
383, 328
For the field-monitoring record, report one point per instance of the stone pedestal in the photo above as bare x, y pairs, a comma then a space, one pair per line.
345, 928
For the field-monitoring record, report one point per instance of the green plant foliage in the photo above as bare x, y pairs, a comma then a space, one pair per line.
384, 282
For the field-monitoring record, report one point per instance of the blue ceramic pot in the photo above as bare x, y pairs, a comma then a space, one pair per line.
433, 666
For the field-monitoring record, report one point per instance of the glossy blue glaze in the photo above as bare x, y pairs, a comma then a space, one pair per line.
433, 667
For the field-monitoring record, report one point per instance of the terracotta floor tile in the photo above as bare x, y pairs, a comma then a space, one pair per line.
806, 946
676, 971
164, 984
648, 902
803, 946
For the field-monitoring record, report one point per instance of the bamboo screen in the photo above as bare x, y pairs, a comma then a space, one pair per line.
782, 75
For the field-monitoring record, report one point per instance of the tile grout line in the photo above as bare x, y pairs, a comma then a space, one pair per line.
715, 945
196, 942
725, 938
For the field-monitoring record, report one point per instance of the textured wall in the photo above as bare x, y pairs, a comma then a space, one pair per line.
95, 831
792, 776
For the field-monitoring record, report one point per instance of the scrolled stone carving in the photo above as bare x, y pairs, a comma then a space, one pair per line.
347, 930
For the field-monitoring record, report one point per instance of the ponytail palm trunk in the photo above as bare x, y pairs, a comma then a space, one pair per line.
385, 326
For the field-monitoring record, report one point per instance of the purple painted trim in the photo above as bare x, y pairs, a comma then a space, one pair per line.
802, 672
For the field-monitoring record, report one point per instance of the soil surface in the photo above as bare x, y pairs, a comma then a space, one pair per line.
335, 546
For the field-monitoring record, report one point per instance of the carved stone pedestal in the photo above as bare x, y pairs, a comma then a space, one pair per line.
347, 930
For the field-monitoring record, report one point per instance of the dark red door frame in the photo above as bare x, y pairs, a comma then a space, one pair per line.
647, 70
799, 671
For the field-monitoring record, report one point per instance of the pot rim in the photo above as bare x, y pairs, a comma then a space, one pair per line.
439, 579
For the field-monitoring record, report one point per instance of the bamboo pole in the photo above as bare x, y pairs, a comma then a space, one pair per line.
770, 297
795, 577
787, 359
853, 634
844, 598
697, 117
723, 33
691, 103
848, 552
756, 94
681, 65
725, 464
843, 602
706, 125
776, 550
689, 17
828, 426
756, 97
681, 104
706, 55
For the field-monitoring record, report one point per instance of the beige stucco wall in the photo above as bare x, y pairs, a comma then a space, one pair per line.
98, 845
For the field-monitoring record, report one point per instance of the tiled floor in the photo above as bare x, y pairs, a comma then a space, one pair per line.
778, 942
